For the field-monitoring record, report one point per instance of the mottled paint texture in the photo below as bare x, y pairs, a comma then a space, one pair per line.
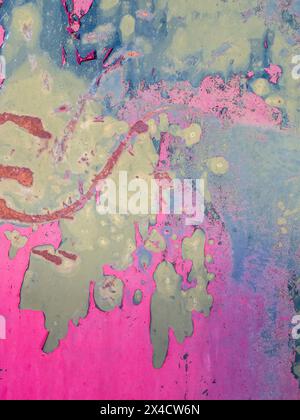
165, 89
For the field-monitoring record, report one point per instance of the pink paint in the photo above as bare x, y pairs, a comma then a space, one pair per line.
63, 108
117, 345
109, 355
107, 53
226, 101
63, 56
89, 57
2, 36
105, 354
235, 105
275, 72
221, 354
164, 163
80, 9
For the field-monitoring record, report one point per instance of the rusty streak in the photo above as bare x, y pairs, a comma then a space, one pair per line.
23, 176
32, 125
7, 213
47, 256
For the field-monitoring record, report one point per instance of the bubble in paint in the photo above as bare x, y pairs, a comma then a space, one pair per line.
211, 277
209, 259
127, 26
137, 297
261, 87
218, 165
192, 134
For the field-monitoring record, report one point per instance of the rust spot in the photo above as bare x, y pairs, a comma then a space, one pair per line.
23, 176
68, 255
32, 125
140, 127
7, 213
49, 257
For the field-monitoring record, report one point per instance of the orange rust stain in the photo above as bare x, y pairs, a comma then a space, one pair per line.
32, 125
47, 256
65, 254
7, 213
23, 176
133, 54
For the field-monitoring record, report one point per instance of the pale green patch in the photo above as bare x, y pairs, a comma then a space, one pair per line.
108, 293
127, 26
172, 307
108, 4
17, 241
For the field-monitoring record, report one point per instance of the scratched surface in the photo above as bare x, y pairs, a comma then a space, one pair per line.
149, 307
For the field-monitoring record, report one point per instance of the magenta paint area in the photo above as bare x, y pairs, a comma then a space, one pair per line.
217, 362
